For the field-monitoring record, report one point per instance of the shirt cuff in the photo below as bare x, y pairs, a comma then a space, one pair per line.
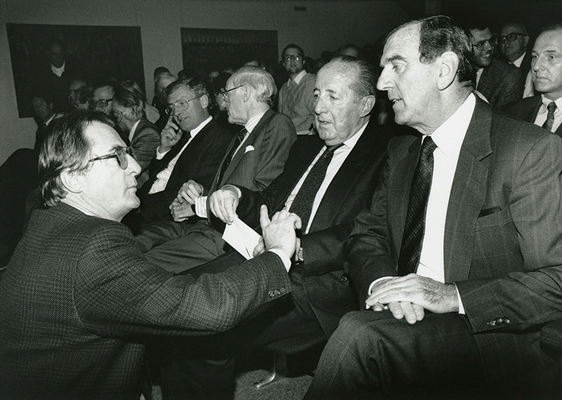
201, 206
286, 261
461, 307
159, 155
374, 282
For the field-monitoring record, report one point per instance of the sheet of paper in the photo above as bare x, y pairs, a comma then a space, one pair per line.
241, 237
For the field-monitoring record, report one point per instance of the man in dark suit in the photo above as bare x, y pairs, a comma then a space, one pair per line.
513, 41
459, 255
544, 109
498, 81
254, 158
192, 146
78, 298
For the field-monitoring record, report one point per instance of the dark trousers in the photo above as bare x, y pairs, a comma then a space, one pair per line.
373, 355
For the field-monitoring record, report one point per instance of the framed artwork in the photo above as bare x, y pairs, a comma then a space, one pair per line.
91, 53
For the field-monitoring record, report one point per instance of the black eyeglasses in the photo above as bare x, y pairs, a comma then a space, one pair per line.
181, 105
510, 37
482, 44
294, 57
120, 154
101, 102
225, 92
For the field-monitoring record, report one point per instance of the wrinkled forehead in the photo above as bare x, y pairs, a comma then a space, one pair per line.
402, 44
103, 138
510, 28
549, 39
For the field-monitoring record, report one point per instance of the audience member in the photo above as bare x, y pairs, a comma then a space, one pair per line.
514, 40
350, 50
496, 80
142, 135
192, 146
546, 69
254, 158
220, 113
102, 96
85, 95
78, 297
296, 97
161, 82
43, 111
150, 112
458, 311
74, 91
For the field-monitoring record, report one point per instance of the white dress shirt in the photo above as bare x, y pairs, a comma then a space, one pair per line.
543, 113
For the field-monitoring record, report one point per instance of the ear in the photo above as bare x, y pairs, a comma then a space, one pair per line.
71, 181
448, 65
367, 104
204, 101
247, 95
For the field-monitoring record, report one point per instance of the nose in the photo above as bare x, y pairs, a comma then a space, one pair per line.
319, 105
537, 63
384, 81
133, 166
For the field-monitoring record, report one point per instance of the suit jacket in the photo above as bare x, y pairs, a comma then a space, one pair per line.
527, 110
325, 284
145, 141
199, 161
500, 83
502, 242
78, 296
262, 155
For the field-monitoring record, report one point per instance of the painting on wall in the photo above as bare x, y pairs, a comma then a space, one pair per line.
208, 50
91, 53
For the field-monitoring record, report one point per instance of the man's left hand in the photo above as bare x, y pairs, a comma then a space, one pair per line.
181, 211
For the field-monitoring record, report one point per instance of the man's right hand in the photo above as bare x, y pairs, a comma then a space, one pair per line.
170, 135
190, 191
223, 203
279, 232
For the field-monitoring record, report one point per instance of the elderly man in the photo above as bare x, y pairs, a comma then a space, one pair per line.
296, 97
254, 158
78, 295
192, 146
513, 41
544, 109
498, 81
102, 96
459, 255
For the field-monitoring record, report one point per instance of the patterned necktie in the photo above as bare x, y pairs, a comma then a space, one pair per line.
303, 201
417, 206
237, 141
550, 117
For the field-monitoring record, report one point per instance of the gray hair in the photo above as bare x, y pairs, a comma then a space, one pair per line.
259, 80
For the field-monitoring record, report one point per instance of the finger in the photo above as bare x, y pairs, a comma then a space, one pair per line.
260, 247
216, 209
396, 310
298, 221
408, 311
419, 310
264, 217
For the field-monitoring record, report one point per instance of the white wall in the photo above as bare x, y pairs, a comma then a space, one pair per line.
324, 26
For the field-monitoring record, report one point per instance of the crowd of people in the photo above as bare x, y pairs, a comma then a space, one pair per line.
406, 199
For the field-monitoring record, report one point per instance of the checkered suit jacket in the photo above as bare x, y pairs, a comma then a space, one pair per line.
78, 297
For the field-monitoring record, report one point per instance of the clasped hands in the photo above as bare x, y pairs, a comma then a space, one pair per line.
409, 296
182, 206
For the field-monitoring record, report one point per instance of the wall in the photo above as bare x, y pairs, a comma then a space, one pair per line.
323, 26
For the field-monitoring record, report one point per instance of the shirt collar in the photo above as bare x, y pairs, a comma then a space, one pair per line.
132, 131
450, 135
546, 102
196, 130
519, 61
58, 71
352, 141
299, 77
252, 122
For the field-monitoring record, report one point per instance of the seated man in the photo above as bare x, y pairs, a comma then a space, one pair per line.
255, 157
459, 256
544, 110
78, 298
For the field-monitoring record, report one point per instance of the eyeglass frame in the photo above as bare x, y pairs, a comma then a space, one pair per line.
225, 92
120, 153
514, 35
105, 102
480, 45
290, 57
170, 110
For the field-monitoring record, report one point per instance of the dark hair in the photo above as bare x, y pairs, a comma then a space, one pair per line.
42, 94
106, 82
439, 34
293, 46
128, 95
365, 79
65, 148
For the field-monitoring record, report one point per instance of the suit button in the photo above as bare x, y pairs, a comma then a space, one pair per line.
506, 321
277, 292
343, 278
491, 323
271, 294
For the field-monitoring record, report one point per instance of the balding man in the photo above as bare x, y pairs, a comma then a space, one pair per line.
513, 41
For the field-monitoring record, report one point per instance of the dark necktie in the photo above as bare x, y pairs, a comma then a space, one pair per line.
417, 206
237, 141
303, 201
550, 117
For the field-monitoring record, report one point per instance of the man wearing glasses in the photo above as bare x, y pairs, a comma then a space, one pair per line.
192, 146
78, 297
296, 98
102, 97
496, 80
513, 42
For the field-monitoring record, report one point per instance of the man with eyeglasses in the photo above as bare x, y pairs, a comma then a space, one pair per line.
296, 98
544, 109
78, 299
102, 97
496, 80
192, 146
513, 41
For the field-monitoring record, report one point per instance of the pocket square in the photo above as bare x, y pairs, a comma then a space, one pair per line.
488, 211
249, 148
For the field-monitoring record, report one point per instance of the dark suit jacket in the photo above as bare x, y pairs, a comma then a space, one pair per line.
527, 110
78, 295
199, 162
503, 232
327, 288
145, 141
500, 83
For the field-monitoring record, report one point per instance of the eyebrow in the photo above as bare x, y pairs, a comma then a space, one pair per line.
391, 59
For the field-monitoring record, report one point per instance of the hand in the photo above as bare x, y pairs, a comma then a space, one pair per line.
223, 203
260, 247
170, 135
189, 191
279, 233
411, 294
181, 210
